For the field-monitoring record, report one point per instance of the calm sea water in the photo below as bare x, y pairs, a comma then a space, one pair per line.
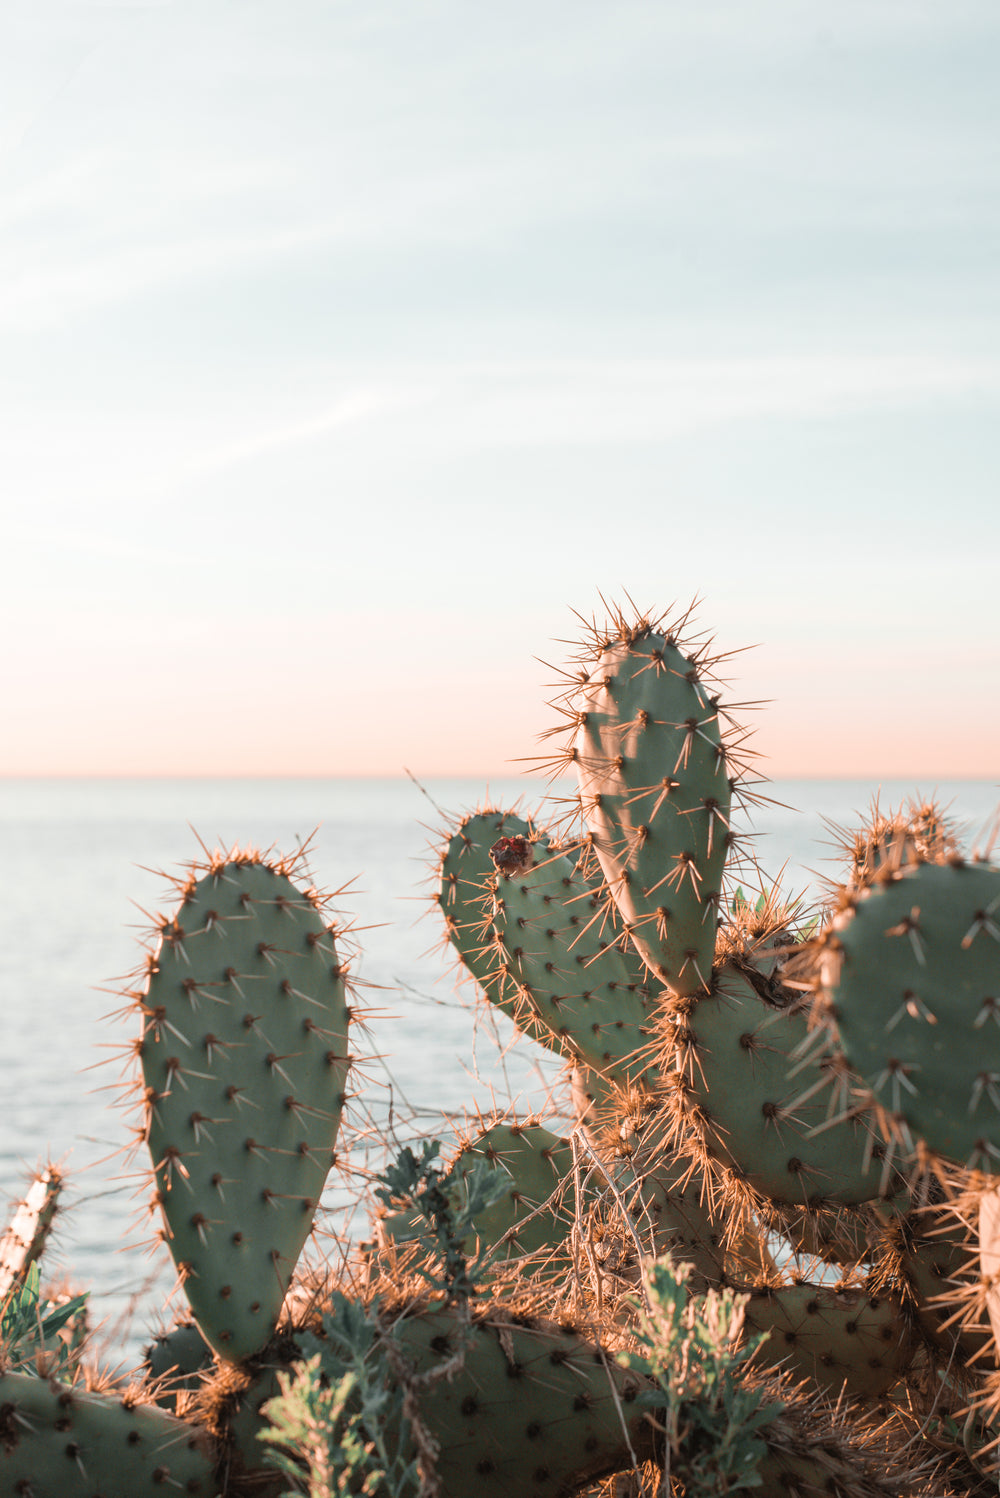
79, 862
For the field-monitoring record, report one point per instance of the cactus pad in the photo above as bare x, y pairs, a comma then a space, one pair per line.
561, 965
55, 1439
244, 1057
912, 980
840, 1338
533, 1409
754, 1116
655, 791
179, 1359
30, 1226
530, 1217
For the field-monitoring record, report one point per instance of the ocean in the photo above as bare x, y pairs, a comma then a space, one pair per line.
80, 883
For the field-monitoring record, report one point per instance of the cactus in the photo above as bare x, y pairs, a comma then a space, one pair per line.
57, 1438
176, 1363
464, 872
737, 1052
763, 1114
555, 960
28, 1231
656, 790
531, 937
244, 1059
801, 1112
532, 1409
842, 1339
911, 993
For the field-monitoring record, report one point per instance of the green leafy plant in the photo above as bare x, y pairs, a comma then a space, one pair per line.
339, 1419
708, 1418
450, 1211
30, 1328
346, 1415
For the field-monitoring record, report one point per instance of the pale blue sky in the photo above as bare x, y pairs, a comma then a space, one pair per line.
346, 347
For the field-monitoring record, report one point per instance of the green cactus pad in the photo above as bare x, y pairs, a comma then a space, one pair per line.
757, 1118
533, 1409
465, 895
180, 1358
912, 976
465, 891
559, 963
528, 940
839, 1338
244, 1057
655, 792
531, 1216
936, 1270
537, 1162
55, 1439
664, 1197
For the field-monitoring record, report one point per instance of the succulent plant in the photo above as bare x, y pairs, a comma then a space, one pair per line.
244, 1059
765, 1257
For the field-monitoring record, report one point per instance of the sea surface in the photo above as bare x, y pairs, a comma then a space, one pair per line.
82, 876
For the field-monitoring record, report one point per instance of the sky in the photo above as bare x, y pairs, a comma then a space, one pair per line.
349, 348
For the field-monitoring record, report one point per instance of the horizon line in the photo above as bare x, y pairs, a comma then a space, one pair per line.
480, 776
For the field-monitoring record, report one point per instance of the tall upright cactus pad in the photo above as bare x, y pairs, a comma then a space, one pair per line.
244, 1058
57, 1439
911, 980
655, 790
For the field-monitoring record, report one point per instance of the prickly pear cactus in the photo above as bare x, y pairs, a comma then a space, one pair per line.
558, 962
656, 791
912, 994
808, 1118
759, 1108
177, 1362
244, 1058
58, 1439
839, 1337
465, 873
